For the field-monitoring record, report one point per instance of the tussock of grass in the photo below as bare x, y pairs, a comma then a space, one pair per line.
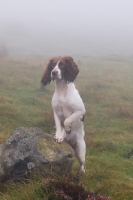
105, 85
50, 187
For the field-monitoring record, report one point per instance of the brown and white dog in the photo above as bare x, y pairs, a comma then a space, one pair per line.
67, 105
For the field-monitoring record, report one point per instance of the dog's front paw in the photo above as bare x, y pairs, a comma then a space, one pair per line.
67, 126
58, 139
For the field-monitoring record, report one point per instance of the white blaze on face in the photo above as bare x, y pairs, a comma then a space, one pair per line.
56, 72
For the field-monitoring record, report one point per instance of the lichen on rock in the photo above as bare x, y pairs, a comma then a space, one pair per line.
30, 148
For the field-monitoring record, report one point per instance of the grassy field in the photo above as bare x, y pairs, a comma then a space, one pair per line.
106, 87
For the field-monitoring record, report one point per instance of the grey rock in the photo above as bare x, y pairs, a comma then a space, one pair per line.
31, 148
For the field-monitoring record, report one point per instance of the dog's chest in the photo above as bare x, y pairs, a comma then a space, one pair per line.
62, 108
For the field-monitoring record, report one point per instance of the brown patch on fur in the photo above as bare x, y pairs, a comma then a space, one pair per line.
68, 67
71, 69
82, 119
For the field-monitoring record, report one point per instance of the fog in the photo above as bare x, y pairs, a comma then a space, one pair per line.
66, 27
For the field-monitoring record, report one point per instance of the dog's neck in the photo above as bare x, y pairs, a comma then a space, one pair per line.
61, 87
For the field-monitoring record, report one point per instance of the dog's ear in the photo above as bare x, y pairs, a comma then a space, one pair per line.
46, 79
71, 69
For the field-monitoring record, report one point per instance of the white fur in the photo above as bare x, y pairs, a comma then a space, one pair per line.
68, 114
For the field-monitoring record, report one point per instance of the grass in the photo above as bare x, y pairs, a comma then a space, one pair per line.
106, 86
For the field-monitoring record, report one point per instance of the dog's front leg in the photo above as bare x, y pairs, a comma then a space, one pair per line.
68, 124
76, 116
59, 132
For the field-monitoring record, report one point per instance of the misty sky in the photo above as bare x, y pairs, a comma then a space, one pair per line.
56, 27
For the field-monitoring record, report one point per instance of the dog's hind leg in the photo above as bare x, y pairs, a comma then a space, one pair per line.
80, 152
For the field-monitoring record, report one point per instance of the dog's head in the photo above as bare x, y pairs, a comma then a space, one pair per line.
60, 68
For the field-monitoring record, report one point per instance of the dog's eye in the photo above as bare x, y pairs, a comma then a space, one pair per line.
53, 65
61, 65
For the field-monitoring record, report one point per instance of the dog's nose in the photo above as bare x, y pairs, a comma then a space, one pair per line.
54, 73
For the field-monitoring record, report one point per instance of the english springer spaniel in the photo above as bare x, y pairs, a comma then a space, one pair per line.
67, 105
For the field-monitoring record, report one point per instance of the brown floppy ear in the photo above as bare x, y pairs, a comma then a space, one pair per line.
71, 69
46, 79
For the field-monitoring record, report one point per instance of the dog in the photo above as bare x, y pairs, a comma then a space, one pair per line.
67, 105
